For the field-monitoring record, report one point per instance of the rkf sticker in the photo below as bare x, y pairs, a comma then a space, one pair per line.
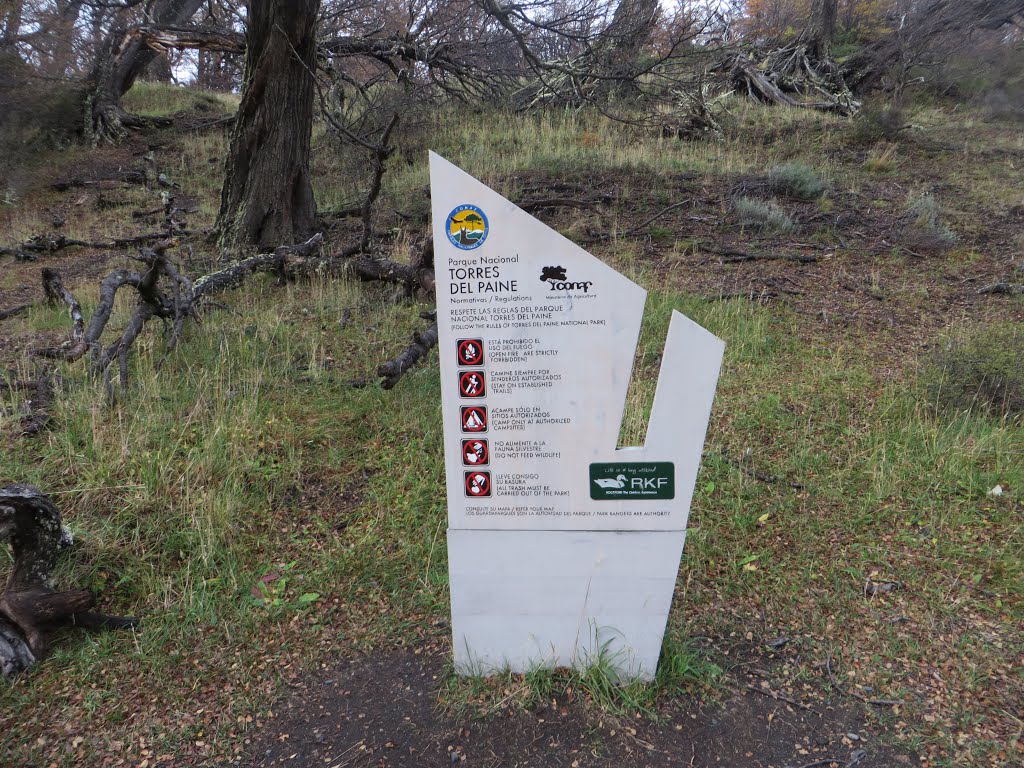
474, 418
478, 484
633, 480
471, 352
475, 453
472, 384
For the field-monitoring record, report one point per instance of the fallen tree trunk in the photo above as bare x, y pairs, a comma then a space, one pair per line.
422, 342
29, 605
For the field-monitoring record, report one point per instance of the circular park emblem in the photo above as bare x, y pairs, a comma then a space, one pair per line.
467, 227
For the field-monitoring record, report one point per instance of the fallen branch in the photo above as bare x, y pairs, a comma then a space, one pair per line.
735, 256
128, 177
422, 342
369, 269
234, 275
531, 206
835, 684
5, 313
52, 243
781, 697
17, 253
55, 291
29, 606
1008, 289
757, 475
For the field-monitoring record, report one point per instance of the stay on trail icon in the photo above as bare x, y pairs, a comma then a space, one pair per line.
471, 352
474, 418
478, 484
472, 384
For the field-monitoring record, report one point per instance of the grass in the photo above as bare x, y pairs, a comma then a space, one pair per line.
263, 515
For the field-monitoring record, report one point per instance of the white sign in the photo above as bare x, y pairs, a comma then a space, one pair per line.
560, 543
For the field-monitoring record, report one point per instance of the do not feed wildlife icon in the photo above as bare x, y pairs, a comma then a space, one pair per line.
561, 545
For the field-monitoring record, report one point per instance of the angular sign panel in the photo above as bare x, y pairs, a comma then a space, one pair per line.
560, 543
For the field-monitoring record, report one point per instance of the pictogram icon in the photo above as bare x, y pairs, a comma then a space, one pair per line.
475, 452
472, 384
471, 351
474, 418
478, 484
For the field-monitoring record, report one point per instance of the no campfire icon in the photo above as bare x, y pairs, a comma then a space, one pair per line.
478, 484
474, 418
472, 384
475, 453
471, 351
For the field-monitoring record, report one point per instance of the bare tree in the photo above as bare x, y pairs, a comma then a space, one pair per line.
124, 58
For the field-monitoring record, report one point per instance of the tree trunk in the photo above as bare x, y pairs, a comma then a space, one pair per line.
821, 29
123, 59
267, 198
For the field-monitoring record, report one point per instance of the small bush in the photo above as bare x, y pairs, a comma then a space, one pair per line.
980, 368
878, 122
764, 216
925, 216
797, 180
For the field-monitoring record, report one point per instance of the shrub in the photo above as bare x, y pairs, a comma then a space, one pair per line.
796, 180
924, 215
979, 368
762, 215
878, 122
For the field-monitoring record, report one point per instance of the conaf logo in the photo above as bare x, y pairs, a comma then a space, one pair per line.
557, 279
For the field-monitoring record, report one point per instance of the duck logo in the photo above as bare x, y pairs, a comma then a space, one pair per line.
557, 278
467, 227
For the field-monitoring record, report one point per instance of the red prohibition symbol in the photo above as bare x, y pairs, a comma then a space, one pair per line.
475, 453
474, 418
471, 352
472, 384
478, 484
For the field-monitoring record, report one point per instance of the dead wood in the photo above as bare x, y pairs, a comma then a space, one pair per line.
781, 697
1007, 289
531, 206
284, 259
369, 269
5, 313
793, 76
51, 243
17, 253
422, 342
835, 684
29, 605
729, 255
128, 177
55, 292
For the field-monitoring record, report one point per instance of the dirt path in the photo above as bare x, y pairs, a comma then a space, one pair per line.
384, 710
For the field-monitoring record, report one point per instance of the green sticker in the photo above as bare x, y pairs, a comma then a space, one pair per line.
633, 480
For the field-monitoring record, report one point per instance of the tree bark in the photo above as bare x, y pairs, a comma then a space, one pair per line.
123, 59
267, 198
822, 28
